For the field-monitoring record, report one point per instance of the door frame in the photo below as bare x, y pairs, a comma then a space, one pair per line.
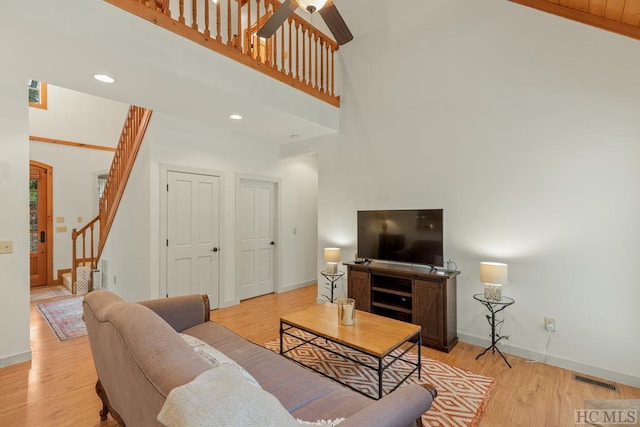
277, 287
49, 222
162, 264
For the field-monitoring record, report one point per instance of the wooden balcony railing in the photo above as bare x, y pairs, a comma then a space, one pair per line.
298, 53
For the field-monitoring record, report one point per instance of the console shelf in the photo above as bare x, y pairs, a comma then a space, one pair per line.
411, 294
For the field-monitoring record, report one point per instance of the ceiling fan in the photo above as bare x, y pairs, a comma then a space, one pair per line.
327, 10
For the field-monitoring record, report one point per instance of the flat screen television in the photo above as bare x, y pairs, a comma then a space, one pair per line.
410, 236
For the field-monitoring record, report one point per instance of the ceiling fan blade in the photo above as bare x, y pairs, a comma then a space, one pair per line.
336, 24
277, 19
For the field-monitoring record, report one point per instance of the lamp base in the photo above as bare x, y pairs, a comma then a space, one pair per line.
332, 267
492, 292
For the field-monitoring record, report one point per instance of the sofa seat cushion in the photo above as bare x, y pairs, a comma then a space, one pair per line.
305, 394
222, 397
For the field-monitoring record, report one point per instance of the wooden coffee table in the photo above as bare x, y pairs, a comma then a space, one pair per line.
373, 335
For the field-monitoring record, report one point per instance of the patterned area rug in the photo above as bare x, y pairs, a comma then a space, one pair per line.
64, 317
46, 292
462, 395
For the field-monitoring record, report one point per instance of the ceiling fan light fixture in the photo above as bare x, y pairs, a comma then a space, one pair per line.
312, 5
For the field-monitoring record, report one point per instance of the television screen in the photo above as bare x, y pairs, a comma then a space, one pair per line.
409, 236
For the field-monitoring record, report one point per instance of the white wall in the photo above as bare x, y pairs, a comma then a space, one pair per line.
78, 117
524, 128
74, 186
70, 40
83, 118
14, 224
134, 246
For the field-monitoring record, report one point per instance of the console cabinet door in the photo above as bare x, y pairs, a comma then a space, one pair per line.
428, 310
360, 289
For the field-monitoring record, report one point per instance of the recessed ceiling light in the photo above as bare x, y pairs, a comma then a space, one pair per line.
235, 116
104, 78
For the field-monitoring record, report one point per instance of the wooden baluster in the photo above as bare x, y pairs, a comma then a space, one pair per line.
181, 18
239, 29
274, 51
298, 50
194, 14
207, 32
247, 47
84, 246
321, 65
282, 51
290, 50
92, 244
304, 55
218, 36
229, 41
256, 45
165, 7
326, 86
310, 79
315, 60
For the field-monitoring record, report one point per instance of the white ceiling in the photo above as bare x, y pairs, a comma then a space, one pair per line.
157, 69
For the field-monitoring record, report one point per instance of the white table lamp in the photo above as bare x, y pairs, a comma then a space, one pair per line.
493, 275
332, 258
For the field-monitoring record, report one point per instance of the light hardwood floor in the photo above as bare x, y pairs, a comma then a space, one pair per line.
56, 387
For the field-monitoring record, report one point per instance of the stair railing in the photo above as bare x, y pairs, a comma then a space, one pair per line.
97, 230
88, 232
131, 137
298, 54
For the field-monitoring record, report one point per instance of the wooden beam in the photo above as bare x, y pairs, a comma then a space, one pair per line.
70, 143
583, 17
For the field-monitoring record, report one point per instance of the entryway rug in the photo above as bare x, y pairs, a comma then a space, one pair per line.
462, 395
46, 292
64, 316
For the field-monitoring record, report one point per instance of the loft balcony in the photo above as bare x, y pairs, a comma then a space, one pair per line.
298, 54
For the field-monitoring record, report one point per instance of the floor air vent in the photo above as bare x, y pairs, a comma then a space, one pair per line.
596, 383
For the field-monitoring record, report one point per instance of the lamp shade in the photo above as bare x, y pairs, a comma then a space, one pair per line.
493, 272
332, 254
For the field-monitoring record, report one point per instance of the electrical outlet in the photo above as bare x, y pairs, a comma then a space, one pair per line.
549, 324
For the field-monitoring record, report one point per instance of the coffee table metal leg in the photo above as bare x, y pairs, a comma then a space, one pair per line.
419, 354
380, 378
281, 336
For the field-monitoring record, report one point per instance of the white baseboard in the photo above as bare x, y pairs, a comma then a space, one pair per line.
297, 286
559, 362
15, 358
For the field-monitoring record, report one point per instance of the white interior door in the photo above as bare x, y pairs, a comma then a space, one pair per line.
193, 235
256, 237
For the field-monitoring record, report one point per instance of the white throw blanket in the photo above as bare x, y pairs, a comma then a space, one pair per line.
222, 397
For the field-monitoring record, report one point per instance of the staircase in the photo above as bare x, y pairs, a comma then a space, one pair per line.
88, 242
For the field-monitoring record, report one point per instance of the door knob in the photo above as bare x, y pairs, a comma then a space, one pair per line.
43, 238
214, 249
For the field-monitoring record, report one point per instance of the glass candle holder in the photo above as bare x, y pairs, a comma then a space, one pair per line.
346, 311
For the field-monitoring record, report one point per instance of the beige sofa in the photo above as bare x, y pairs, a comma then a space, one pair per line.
140, 358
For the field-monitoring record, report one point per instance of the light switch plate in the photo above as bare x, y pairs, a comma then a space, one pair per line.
6, 247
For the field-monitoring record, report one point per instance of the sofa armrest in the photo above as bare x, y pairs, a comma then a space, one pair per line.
181, 312
398, 409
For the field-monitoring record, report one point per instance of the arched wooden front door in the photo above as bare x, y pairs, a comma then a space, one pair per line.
40, 223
